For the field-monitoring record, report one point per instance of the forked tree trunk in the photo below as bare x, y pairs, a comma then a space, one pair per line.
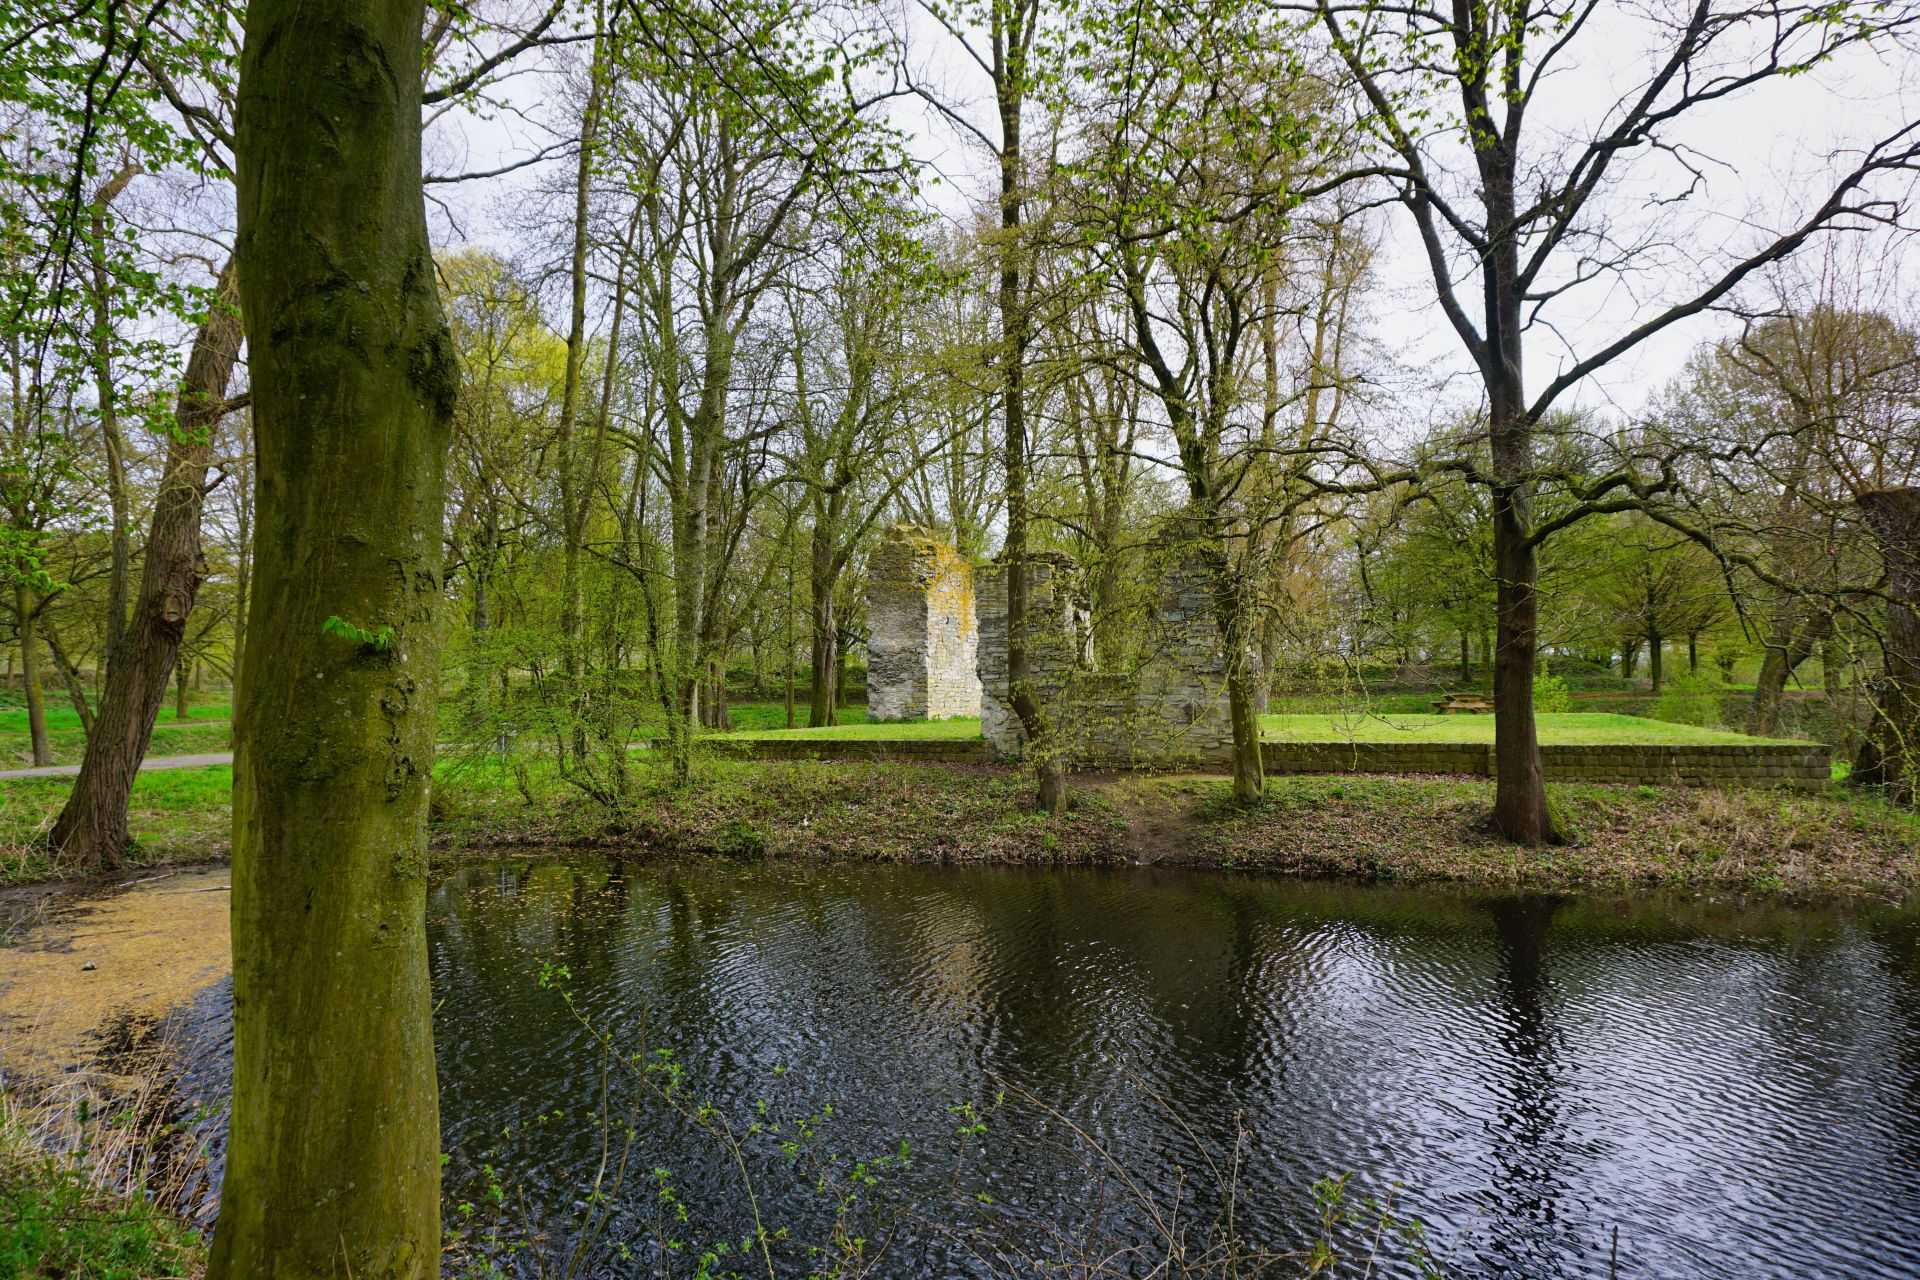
1792, 643
333, 1157
92, 828
1890, 756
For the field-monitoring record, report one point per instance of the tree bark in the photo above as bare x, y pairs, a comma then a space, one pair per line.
243, 561
840, 695
824, 654
1890, 756
70, 677
1656, 667
333, 1154
1520, 809
26, 624
1249, 767
792, 662
1010, 45
573, 498
119, 565
1791, 644
92, 828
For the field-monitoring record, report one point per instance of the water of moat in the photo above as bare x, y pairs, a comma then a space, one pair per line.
1734, 1089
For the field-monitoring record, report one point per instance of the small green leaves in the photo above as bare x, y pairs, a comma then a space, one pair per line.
379, 640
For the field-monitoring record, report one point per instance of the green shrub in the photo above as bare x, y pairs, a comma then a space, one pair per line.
1550, 692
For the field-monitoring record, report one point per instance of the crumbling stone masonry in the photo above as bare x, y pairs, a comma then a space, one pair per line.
922, 635
1168, 710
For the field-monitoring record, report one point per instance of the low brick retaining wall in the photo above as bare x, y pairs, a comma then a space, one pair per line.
911, 749
1804, 766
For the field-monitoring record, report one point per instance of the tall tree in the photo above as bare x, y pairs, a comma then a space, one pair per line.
92, 827
1528, 221
999, 37
333, 1160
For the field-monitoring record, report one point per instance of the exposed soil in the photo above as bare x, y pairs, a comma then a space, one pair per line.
1159, 821
100, 960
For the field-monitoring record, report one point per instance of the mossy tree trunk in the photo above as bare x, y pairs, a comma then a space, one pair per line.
333, 1157
822, 576
92, 828
27, 627
106, 391
1012, 28
1890, 756
1791, 643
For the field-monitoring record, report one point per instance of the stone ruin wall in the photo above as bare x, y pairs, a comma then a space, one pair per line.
1058, 627
922, 636
1169, 710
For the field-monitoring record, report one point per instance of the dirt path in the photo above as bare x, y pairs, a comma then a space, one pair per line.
200, 761
1159, 813
83, 963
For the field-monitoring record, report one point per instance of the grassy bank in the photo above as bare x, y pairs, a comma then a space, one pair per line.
177, 815
886, 812
57, 1219
1837, 844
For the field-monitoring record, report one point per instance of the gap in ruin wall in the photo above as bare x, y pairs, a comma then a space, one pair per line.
922, 634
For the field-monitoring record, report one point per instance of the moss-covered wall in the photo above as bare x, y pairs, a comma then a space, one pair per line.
1167, 710
922, 635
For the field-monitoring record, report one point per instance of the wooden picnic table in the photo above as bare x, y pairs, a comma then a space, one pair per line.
1468, 702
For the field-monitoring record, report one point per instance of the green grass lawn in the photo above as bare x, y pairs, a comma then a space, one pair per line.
759, 717
869, 730
68, 744
1581, 728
